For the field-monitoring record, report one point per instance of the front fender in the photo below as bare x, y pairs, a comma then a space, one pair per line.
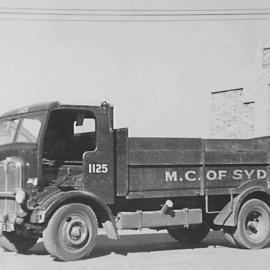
42, 213
228, 215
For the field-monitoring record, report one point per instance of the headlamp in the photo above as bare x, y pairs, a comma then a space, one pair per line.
20, 196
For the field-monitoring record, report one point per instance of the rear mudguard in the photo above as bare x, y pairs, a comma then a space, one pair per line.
42, 213
228, 215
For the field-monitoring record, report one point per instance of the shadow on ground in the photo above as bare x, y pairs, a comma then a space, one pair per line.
133, 243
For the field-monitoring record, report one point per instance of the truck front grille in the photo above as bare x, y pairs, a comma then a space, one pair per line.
10, 181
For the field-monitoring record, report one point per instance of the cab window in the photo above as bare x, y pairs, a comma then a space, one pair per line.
69, 134
29, 130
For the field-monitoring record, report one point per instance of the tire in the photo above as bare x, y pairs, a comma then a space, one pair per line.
193, 234
253, 225
71, 232
228, 235
9, 241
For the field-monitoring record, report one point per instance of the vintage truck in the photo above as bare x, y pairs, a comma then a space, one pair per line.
65, 171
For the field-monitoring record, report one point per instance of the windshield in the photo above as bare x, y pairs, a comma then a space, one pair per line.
24, 129
7, 130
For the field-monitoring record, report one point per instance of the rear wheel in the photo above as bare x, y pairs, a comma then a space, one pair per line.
253, 225
193, 234
71, 232
10, 241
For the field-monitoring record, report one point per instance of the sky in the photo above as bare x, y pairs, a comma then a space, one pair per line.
158, 75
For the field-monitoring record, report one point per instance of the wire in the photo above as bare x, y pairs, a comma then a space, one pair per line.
23, 12
131, 20
133, 13
136, 10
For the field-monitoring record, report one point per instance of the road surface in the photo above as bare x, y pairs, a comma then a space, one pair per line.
146, 250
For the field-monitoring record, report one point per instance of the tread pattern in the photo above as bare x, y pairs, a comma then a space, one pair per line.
239, 234
51, 233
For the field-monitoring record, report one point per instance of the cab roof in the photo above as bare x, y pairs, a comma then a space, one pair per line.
46, 106
33, 108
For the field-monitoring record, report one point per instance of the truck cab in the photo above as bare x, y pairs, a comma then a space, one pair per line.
51, 141
46, 149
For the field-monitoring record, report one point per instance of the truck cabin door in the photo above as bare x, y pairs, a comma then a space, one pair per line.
98, 164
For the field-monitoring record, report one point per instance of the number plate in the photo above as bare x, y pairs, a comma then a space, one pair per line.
98, 168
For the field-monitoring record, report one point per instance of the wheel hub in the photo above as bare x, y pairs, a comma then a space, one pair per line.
75, 232
255, 224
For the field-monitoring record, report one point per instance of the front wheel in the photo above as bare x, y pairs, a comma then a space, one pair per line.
71, 232
253, 225
10, 241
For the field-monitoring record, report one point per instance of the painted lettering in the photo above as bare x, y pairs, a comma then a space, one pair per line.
211, 175
261, 174
171, 176
222, 174
237, 175
249, 173
98, 168
190, 176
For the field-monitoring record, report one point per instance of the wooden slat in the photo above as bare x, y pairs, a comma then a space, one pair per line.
159, 157
231, 157
165, 144
234, 145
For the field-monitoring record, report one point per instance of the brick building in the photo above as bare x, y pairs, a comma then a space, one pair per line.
231, 115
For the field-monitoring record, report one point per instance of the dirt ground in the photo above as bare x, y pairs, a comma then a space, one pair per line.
146, 250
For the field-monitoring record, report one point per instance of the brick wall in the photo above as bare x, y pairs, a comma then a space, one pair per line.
231, 117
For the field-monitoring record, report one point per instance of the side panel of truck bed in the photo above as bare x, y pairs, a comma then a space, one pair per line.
166, 165
169, 167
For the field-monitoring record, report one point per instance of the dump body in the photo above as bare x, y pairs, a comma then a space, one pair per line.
172, 167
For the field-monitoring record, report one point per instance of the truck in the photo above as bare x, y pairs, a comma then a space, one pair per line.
65, 172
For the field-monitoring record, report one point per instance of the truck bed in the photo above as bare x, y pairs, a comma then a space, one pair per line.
154, 167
